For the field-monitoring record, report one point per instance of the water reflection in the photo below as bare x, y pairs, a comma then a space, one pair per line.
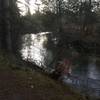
88, 69
34, 50
93, 71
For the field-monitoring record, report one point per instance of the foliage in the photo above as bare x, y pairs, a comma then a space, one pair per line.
56, 17
32, 23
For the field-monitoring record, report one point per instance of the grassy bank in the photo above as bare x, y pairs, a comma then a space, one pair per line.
21, 84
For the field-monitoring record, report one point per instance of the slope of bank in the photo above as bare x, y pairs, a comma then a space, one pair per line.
26, 84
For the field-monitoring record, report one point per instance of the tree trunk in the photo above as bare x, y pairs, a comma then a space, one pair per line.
5, 35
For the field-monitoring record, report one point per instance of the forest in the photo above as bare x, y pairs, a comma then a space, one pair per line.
74, 18
39, 38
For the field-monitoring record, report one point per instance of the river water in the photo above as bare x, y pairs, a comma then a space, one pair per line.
33, 50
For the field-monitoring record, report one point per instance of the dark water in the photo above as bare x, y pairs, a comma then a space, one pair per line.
90, 69
34, 50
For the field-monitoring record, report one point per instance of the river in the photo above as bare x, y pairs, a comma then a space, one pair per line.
34, 50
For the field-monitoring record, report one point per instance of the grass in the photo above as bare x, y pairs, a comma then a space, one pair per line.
19, 84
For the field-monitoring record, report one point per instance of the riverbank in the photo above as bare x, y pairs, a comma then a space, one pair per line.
22, 83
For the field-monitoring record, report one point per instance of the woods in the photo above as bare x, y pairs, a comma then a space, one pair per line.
58, 16
57, 38
72, 23
9, 23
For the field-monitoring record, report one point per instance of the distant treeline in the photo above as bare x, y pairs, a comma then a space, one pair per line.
61, 17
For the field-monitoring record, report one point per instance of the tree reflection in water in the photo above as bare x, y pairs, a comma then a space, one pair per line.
33, 49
